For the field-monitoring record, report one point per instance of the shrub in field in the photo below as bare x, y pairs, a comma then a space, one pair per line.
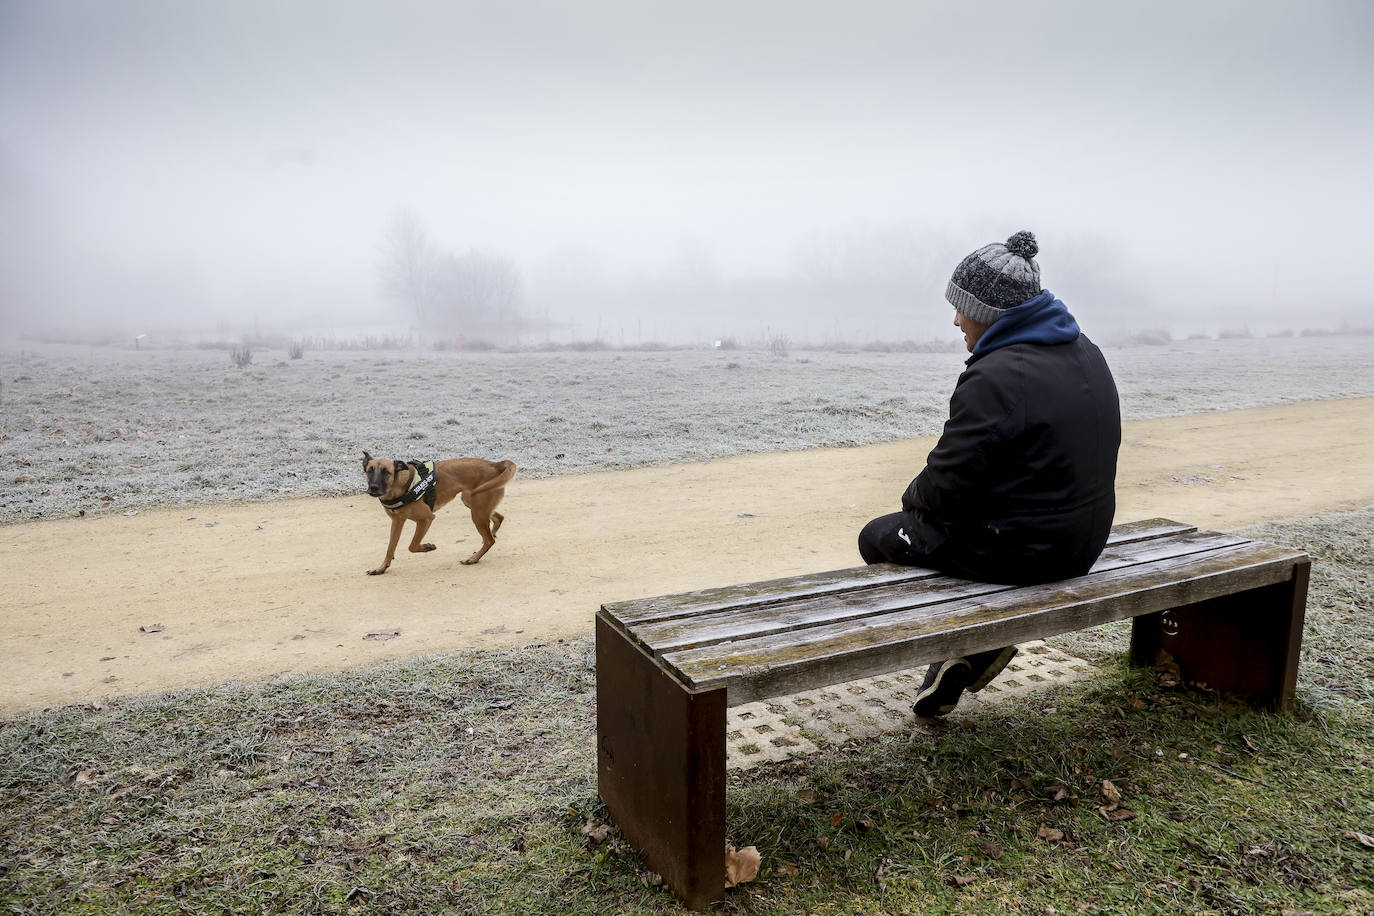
778, 344
1146, 338
585, 346
241, 355
295, 349
1154, 338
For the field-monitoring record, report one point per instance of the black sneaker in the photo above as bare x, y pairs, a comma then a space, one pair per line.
946, 681
987, 665
944, 685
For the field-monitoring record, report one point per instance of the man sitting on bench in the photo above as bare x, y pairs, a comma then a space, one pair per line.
1020, 487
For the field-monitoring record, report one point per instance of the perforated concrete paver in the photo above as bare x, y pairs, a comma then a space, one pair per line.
800, 724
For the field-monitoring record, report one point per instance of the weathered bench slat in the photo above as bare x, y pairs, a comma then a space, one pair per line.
706, 629
768, 666
773, 591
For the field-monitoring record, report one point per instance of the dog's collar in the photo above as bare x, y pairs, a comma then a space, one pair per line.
421, 485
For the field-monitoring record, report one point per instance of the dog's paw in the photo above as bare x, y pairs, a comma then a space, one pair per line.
470, 561
376, 572
428, 547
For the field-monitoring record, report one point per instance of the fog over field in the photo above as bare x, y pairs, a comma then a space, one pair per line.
91, 430
527, 172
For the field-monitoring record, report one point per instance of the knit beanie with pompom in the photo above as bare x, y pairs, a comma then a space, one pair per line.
995, 278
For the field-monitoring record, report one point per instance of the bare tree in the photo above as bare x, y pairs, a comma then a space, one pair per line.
477, 295
408, 265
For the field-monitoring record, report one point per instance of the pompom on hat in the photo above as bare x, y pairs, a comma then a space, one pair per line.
995, 278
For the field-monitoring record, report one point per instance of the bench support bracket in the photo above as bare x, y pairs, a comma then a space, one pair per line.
660, 766
1244, 643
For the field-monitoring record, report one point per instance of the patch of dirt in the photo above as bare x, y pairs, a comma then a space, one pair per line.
252, 590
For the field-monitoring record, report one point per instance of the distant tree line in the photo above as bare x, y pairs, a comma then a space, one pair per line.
452, 297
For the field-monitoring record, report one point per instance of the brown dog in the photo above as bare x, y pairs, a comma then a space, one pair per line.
415, 491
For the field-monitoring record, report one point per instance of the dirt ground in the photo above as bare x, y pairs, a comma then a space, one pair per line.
98, 607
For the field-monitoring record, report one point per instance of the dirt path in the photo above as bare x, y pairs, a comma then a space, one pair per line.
248, 591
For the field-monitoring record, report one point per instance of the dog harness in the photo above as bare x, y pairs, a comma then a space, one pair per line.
421, 486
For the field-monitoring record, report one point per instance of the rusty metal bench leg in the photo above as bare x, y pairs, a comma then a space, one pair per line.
661, 766
1245, 643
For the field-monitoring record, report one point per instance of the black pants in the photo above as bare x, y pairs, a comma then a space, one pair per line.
889, 539
892, 539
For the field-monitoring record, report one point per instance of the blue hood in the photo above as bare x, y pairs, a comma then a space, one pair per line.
1041, 319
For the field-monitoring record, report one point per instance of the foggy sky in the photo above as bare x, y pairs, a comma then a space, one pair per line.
218, 162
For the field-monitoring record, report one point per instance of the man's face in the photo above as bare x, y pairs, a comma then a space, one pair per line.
972, 329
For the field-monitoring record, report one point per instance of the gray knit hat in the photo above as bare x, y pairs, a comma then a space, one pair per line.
995, 278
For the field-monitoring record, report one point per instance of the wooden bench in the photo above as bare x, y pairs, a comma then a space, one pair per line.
1229, 609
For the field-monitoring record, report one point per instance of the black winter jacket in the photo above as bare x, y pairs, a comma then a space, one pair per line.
1021, 486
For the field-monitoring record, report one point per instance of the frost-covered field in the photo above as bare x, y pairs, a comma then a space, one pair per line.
104, 430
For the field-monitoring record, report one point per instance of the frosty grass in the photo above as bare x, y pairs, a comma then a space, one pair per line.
169, 427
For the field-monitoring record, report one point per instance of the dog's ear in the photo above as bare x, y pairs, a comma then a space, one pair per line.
367, 459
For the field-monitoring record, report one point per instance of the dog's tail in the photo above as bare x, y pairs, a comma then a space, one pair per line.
500, 480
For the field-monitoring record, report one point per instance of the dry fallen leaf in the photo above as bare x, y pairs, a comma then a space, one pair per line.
962, 880
741, 865
787, 868
151, 628
596, 831
990, 849
807, 796
836, 820
1363, 839
1110, 794
1061, 793
1050, 834
1170, 674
